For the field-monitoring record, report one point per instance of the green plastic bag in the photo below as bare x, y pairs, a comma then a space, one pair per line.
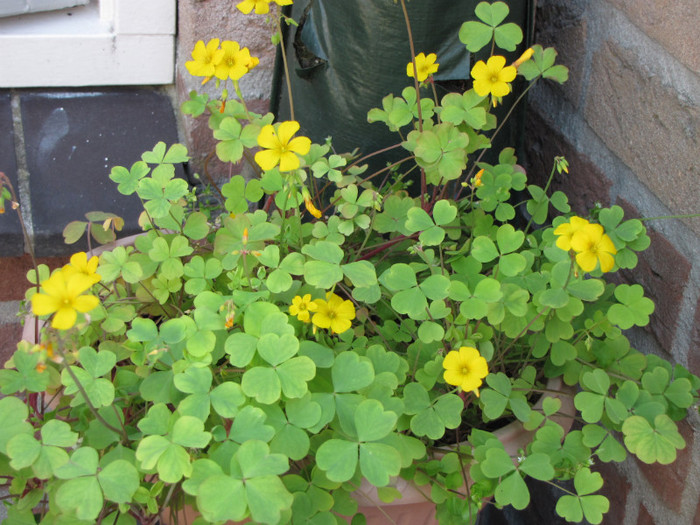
346, 55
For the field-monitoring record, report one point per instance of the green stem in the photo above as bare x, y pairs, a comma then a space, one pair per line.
286, 68
423, 183
495, 133
237, 89
89, 404
546, 187
370, 155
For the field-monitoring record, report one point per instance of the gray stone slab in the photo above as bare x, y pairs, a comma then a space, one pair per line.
11, 240
73, 139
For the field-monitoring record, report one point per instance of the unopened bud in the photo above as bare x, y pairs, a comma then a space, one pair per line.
527, 55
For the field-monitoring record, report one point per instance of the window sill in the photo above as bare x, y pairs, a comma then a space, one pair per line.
115, 42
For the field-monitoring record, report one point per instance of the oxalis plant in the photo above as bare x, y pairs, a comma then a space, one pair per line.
328, 324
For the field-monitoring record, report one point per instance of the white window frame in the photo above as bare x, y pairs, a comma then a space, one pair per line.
18, 7
107, 43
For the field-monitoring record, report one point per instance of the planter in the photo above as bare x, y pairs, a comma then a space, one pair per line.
412, 508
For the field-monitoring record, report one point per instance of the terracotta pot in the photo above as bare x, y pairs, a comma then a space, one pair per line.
412, 508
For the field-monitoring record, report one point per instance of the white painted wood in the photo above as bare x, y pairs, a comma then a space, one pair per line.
87, 48
17, 7
153, 17
13, 7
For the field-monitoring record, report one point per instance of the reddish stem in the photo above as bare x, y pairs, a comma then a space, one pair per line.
383, 247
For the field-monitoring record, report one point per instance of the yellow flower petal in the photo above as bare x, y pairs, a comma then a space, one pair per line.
480, 69
452, 360
64, 319
452, 377
267, 138
287, 130
43, 304
587, 261
300, 145
267, 159
339, 325
607, 261
85, 303
507, 74
496, 63
288, 161
500, 89
246, 6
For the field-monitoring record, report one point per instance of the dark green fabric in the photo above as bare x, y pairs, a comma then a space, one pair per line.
348, 54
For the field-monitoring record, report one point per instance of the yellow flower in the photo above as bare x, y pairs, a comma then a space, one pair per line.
492, 77
593, 246
63, 294
527, 55
234, 62
425, 66
465, 368
254, 61
205, 59
280, 147
477, 178
313, 210
262, 7
334, 313
302, 306
565, 232
79, 264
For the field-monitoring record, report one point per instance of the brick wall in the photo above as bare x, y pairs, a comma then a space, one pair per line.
628, 123
204, 20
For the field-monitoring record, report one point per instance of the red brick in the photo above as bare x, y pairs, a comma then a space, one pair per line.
664, 273
696, 518
669, 480
615, 488
9, 336
13, 274
644, 517
649, 126
673, 24
220, 19
694, 353
585, 185
562, 25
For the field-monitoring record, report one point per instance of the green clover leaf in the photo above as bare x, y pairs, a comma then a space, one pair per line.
633, 310
542, 63
128, 179
592, 507
655, 442
431, 417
